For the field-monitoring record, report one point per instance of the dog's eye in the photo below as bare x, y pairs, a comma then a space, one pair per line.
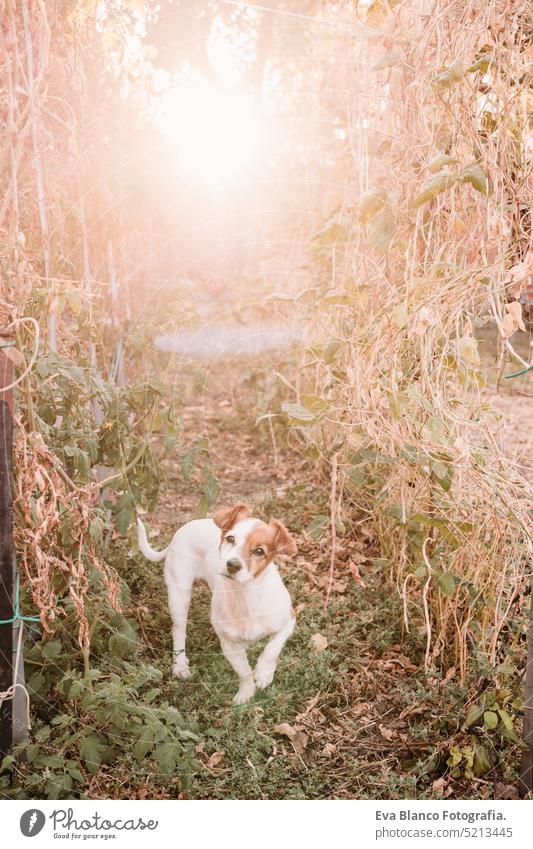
231, 540
259, 552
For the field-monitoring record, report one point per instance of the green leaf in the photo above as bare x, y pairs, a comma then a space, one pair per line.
455, 756
441, 161
446, 582
52, 761
400, 316
123, 520
76, 774
467, 350
36, 683
370, 203
141, 749
329, 235
298, 413
454, 73
490, 719
482, 64
74, 301
387, 60
444, 474
506, 719
382, 228
7, 763
334, 297
475, 712
94, 752
96, 530
475, 175
52, 649
435, 186
481, 763
167, 756
314, 404
120, 646
317, 527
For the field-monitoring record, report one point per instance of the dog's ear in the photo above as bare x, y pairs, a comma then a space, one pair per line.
283, 542
229, 516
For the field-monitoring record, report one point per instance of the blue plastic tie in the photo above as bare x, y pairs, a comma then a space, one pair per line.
17, 615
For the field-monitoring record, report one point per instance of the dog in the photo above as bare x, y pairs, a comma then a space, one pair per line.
234, 553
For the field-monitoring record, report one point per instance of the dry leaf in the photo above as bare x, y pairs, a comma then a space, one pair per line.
295, 734
517, 277
215, 759
462, 447
329, 750
505, 791
318, 642
406, 663
356, 574
387, 733
310, 706
285, 730
438, 786
513, 319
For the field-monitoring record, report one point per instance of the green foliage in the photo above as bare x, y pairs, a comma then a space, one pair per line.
104, 718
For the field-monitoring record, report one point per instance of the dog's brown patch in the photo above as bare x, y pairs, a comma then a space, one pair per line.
273, 539
227, 517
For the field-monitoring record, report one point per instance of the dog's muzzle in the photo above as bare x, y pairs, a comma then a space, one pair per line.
233, 566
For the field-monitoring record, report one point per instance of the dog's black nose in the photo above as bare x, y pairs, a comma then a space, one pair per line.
233, 565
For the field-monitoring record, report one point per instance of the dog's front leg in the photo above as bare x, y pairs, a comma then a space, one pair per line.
235, 654
179, 598
268, 659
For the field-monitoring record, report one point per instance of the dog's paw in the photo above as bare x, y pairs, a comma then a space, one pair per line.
181, 669
244, 693
263, 678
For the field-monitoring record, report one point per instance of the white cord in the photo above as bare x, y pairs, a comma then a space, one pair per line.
8, 694
34, 356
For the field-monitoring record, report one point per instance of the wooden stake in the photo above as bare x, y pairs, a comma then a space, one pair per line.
526, 770
6, 551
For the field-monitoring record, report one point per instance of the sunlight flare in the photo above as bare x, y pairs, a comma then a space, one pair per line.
216, 132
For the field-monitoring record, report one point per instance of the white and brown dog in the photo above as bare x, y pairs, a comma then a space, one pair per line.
234, 553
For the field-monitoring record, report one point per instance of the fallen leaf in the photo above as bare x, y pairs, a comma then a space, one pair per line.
438, 786
329, 750
310, 705
387, 733
505, 791
318, 642
215, 759
295, 734
356, 574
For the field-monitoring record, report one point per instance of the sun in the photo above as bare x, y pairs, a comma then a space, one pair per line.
215, 131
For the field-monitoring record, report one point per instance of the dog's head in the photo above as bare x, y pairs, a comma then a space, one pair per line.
248, 545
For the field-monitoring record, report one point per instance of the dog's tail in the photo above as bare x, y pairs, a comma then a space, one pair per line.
146, 548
